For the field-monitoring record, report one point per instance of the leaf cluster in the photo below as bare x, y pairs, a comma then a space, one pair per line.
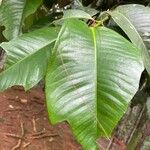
91, 60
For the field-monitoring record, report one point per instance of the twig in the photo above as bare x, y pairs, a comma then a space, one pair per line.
44, 136
14, 135
110, 143
34, 125
39, 133
14, 109
26, 144
22, 129
17, 146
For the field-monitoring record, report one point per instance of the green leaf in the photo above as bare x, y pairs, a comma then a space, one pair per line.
73, 13
31, 7
76, 13
13, 13
78, 5
134, 20
93, 75
27, 58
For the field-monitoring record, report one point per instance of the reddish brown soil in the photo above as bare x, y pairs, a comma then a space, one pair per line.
17, 108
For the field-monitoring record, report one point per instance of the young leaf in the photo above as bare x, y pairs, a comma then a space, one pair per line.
27, 58
13, 13
78, 5
73, 13
135, 22
91, 79
76, 13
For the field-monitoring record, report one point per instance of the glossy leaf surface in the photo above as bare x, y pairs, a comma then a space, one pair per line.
27, 58
135, 22
13, 13
92, 76
76, 13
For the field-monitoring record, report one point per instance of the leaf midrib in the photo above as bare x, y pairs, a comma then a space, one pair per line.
95, 62
93, 30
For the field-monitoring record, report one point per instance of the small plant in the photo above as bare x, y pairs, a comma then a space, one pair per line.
91, 72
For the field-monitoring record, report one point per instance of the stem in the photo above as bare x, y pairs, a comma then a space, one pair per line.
101, 22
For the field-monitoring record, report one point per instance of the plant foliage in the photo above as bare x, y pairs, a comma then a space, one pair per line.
82, 88
134, 21
91, 72
13, 14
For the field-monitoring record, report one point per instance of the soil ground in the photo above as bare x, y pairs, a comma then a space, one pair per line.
24, 124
